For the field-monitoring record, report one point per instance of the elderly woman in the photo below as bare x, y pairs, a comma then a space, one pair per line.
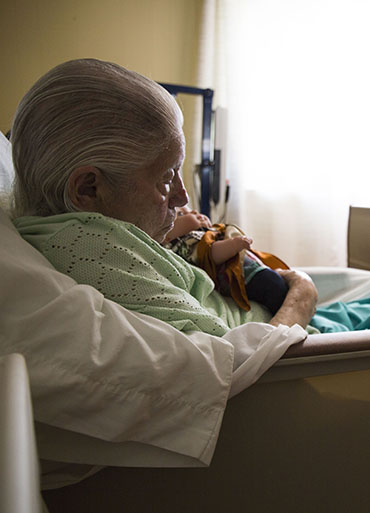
98, 152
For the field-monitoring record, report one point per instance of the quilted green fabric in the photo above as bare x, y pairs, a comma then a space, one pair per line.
130, 268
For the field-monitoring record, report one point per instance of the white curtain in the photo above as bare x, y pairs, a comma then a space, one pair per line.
294, 76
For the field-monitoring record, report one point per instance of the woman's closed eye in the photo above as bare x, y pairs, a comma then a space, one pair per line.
164, 185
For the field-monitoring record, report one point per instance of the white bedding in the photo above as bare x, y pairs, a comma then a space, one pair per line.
339, 283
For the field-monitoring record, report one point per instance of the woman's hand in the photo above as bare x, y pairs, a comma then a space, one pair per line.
300, 303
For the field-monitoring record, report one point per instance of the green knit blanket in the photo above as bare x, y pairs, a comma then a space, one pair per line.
130, 268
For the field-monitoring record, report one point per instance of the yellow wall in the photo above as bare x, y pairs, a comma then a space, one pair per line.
158, 38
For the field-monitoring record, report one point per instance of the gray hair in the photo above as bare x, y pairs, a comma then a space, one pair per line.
87, 113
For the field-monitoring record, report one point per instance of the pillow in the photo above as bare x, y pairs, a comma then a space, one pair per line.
6, 164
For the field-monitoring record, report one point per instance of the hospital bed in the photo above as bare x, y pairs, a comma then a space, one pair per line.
297, 440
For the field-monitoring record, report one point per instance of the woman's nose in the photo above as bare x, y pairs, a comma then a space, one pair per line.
178, 195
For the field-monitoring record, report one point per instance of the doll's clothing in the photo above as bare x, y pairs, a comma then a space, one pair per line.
231, 277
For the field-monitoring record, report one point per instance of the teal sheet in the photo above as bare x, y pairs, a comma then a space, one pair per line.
352, 316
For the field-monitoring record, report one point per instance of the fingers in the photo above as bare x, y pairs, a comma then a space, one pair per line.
204, 220
240, 243
291, 275
299, 280
248, 240
245, 242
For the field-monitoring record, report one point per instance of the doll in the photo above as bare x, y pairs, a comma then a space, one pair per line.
225, 253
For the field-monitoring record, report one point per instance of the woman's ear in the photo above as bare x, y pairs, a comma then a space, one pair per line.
84, 186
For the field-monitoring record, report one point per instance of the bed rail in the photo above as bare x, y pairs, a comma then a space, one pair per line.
323, 354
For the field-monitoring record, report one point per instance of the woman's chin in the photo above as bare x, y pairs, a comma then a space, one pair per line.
162, 235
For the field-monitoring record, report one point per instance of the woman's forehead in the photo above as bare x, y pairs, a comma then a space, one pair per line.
178, 149
172, 157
